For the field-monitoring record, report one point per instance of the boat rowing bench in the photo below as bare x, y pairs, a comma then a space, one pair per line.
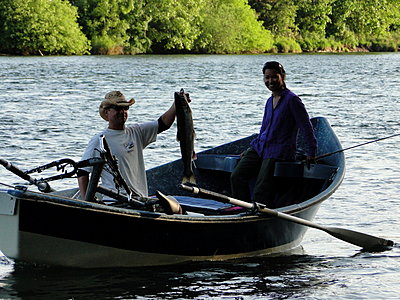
217, 162
299, 169
227, 163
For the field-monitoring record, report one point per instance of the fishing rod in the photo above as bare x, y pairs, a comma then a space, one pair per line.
355, 146
112, 162
67, 166
42, 186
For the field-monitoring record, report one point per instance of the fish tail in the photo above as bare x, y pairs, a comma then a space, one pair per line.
189, 179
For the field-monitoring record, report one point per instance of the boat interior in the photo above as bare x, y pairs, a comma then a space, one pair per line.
294, 183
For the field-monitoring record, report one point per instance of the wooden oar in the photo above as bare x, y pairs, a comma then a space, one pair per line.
366, 241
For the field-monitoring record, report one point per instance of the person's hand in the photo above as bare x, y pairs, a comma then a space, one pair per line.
188, 97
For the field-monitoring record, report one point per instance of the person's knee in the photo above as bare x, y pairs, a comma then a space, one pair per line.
236, 177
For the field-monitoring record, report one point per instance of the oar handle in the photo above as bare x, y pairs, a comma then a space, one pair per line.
211, 194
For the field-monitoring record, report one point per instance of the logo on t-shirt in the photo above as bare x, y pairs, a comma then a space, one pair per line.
130, 146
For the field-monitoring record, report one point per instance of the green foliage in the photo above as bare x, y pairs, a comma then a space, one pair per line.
138, 20
230, 26
104, 24
369, 17
201, 26
277, 16
40, 27
362, 23
286, 45
312, 41
115, 26
382, 43
331, 25
313, 16
174, 25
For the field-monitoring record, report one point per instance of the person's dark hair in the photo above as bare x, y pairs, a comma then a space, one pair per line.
274, 65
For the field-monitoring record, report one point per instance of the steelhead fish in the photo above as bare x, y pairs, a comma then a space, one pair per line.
185, 134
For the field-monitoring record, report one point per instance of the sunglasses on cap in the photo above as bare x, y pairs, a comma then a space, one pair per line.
118, 108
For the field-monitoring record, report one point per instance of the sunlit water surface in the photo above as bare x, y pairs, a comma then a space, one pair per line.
49, 110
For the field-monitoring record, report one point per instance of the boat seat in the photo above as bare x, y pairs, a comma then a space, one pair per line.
217, 162
227, 163
300, 170
295, 182
201, 205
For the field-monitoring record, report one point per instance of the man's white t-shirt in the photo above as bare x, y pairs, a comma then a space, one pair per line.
127, 145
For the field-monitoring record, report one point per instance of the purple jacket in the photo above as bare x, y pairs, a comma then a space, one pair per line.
277, 138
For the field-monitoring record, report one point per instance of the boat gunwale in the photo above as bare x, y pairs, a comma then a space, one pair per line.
60, 200
101, 208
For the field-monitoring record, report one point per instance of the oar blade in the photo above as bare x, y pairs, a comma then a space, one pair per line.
365, 241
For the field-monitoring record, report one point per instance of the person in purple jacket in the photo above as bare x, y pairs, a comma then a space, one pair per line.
284, 116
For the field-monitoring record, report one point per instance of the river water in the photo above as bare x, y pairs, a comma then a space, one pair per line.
49, 110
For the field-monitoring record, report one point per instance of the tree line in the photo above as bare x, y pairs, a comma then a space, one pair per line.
76, 27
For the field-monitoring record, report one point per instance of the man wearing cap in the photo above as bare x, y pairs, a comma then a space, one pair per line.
284, 115
126, 142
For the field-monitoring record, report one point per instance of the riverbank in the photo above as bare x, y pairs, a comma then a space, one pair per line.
325, 51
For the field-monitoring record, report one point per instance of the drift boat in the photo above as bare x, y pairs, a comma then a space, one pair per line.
57, 228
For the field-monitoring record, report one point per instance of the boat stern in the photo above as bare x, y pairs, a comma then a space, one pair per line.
9, 224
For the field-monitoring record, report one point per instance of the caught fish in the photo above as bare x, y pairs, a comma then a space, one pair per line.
185, 134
